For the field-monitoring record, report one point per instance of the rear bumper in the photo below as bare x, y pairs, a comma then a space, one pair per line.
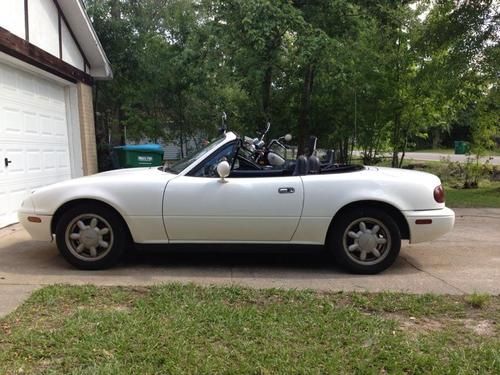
38, 231
442, 222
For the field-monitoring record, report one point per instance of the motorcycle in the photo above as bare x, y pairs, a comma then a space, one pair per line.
268, 154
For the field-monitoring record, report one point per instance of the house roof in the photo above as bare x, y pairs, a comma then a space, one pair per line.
84, 32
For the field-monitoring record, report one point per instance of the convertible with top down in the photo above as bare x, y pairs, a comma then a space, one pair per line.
222, 194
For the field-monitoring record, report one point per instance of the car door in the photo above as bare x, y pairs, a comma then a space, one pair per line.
254, 209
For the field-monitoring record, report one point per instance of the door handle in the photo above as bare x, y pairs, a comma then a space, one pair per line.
7, 162
286, 190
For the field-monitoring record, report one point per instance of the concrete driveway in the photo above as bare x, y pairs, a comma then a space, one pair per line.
464, 261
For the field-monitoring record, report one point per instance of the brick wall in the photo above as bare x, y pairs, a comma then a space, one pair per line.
87, 128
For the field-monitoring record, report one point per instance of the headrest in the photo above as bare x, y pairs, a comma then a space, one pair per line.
314, 165
301, 166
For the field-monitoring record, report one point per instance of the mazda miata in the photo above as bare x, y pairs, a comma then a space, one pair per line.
221, 195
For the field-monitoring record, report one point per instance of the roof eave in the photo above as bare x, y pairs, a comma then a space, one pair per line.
84, 32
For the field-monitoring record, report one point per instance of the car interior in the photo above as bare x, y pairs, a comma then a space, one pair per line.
243, 166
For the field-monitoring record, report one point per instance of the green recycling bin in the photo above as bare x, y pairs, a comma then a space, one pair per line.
462, 147
133, 156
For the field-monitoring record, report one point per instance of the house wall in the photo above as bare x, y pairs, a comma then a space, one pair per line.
87, 128
47, 28
44, 25
70, 52
12, 17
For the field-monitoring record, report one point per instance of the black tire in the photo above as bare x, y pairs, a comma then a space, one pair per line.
101, 257
342, 237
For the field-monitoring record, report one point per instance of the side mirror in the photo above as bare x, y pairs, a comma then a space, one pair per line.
223, 170
288, 137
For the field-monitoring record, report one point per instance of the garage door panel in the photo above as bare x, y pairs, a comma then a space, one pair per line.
13, 121
60, 129
49, 92
3, 208
63, 161
46, 125
34, 161
17, 159
33, 136
35, 104
8, 77
17, 193
31, 124
49, 160
3, 171
27, 85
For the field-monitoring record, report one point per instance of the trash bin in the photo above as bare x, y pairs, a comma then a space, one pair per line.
462, 147
132, 156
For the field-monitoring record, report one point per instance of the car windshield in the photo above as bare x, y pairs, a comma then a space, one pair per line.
182, 164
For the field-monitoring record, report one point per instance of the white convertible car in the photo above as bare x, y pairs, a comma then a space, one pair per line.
220, 195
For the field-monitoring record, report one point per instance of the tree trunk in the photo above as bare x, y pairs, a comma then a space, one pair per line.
121, 126
115, 9
436, 138
181, 124
305, 108
266, 94
396, 133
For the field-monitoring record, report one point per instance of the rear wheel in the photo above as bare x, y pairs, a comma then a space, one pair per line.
365, 241
91, 236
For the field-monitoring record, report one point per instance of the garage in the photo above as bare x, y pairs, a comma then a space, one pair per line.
49, 59
33, 137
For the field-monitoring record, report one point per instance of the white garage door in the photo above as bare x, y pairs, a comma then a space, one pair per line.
33, 137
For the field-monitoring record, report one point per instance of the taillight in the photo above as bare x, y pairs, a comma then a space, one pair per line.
439, 194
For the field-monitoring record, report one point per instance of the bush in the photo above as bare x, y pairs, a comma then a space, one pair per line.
475, 170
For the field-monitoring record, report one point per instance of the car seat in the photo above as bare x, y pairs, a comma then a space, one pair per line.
313, 164
301, 166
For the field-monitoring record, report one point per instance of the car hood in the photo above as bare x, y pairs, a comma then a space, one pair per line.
116, 176
119, 188
128, 171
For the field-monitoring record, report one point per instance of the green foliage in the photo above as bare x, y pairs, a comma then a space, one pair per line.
377, 76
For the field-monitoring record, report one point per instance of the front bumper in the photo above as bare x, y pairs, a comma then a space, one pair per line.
441, 222
38, 231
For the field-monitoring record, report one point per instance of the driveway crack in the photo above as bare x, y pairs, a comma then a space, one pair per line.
434, 276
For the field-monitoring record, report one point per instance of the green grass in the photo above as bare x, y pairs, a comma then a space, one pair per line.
189, 329
487, 195
477, 300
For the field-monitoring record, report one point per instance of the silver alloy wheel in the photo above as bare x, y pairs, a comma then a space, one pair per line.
367, 241
89, 237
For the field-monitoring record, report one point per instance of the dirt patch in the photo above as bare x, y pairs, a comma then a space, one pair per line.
481, 327
425, 325
417, 325
107, 308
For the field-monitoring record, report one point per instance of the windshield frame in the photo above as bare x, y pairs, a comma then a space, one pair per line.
199, 156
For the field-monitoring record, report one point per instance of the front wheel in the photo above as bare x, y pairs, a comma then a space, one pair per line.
365, 241
91, 236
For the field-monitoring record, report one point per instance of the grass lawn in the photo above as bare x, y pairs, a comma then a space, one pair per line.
487, 195
189, 329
